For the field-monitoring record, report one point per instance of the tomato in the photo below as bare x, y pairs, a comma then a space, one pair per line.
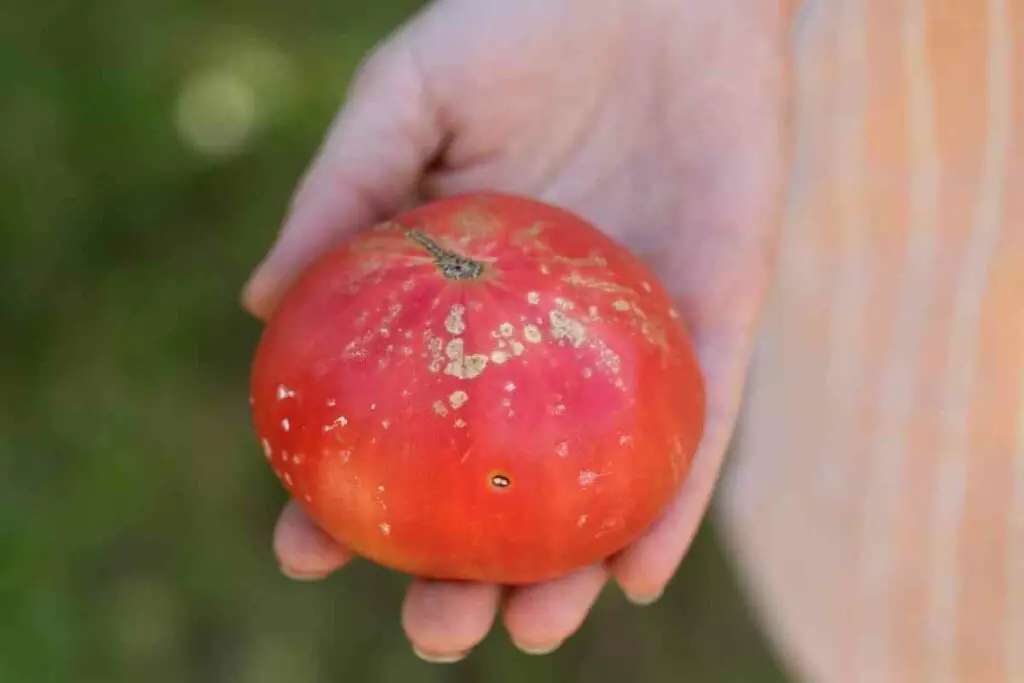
484, 388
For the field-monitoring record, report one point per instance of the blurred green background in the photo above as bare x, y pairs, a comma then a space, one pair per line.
149, 149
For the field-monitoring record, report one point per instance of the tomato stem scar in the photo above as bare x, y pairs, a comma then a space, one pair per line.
452, 265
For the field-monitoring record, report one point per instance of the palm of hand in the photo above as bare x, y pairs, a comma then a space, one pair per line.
668, 134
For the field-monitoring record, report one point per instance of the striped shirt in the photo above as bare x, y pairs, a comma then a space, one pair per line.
875, 496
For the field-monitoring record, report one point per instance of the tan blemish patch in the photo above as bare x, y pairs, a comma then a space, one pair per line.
506, 329
440, 408
474, 223
454, 322
620, 305
462, 365
458, 399
577, 280
385, 528
531, 333
533, 298
565, 328
517, 348
498, 357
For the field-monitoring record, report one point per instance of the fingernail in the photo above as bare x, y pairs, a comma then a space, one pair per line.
297, 575
439, 658
539, 650
644, 600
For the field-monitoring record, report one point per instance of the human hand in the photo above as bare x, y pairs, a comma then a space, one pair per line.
661, 121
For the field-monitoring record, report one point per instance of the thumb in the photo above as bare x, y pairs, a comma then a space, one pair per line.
369, 163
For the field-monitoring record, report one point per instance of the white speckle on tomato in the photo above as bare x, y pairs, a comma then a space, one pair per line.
297, 458
587, 477
308, 498
673, 313
625, 440
345, 455
380, 488
288, 478
458, 398
564, 304
562, 449
510, 386
385, 423
286, 425
385, 528
267, 450
646, 286
533, 298
373, 406
581, 521
331, 403
620, 305
284, 392
339, 421
460, 423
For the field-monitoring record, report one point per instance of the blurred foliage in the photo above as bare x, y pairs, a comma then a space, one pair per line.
149, 149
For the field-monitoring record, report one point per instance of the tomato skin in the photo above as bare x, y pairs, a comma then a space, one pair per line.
483, 388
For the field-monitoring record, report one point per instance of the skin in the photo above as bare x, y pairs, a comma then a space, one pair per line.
662, 122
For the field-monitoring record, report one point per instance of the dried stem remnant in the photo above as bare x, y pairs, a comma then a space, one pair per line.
452, 266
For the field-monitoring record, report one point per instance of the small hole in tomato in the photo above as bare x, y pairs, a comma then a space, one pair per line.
500, 481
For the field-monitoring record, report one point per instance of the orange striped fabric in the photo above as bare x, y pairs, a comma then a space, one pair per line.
875, 499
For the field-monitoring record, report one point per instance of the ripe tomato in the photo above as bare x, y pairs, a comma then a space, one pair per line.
484, 388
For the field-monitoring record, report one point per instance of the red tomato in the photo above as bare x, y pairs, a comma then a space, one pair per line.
486, 387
